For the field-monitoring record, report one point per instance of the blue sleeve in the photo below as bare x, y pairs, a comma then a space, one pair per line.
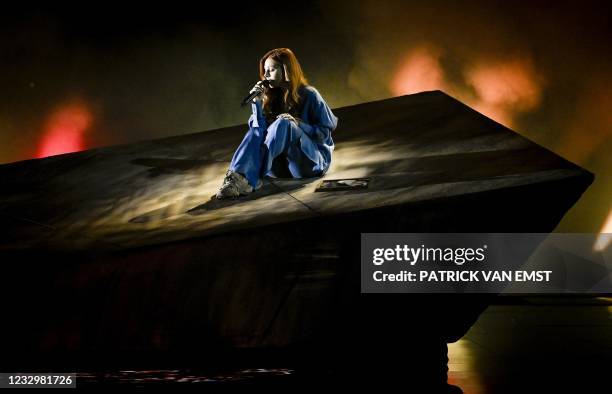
323, 121
257, 119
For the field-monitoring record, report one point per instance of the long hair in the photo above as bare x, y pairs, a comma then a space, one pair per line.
286, 98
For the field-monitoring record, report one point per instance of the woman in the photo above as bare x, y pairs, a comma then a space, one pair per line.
289, 130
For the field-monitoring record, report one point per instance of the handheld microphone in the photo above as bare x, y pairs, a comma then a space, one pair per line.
256, 93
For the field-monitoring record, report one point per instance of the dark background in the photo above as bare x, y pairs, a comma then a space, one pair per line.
80, 76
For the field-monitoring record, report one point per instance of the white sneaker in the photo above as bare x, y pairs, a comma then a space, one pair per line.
235, 185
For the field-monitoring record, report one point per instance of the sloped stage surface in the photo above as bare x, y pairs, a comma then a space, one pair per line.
119, 256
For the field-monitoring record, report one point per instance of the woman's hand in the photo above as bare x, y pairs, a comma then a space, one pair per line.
259, 87
288, 117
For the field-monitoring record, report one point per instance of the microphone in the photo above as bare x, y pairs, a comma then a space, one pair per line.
257, 92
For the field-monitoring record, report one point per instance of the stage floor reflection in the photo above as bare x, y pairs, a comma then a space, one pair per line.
553, 344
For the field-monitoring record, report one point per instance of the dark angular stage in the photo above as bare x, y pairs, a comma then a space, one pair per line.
118, 257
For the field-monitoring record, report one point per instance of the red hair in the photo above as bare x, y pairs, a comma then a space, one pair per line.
287, 98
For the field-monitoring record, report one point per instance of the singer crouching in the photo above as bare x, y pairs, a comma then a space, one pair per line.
289, 130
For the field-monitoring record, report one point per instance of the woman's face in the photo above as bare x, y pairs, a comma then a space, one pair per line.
273, 72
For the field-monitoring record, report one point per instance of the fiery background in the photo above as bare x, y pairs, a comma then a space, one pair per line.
78, 77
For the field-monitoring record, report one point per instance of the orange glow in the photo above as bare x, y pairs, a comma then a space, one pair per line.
590, 126
64, 130
462, 369
605, 235
419, 71
498, 113
505, 89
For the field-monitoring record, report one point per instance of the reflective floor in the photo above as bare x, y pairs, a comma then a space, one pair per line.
533, 344
184, 376
542, 344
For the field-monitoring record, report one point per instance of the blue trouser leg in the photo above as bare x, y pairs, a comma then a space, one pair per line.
286, 137
247, 158
300, 166
257, 151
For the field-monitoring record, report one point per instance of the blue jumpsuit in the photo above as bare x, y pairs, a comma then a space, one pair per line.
308, 145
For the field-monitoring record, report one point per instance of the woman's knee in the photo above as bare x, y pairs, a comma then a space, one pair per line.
278, 130
284, 122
